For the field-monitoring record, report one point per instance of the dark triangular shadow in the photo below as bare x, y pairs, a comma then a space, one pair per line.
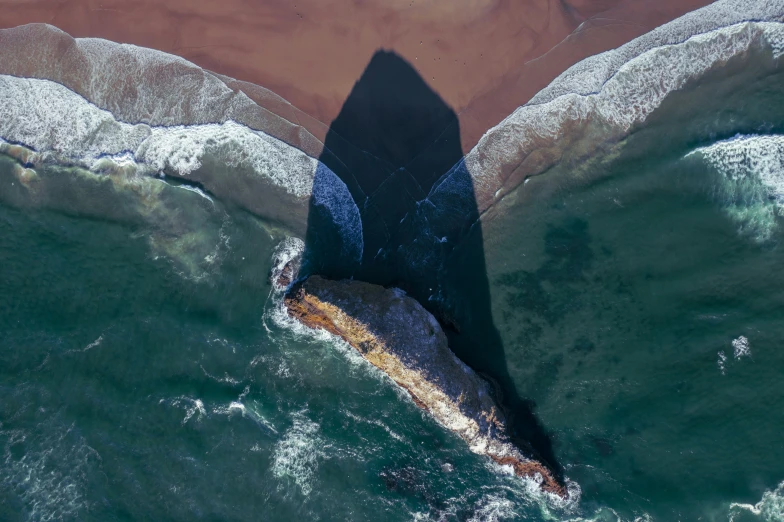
385, 212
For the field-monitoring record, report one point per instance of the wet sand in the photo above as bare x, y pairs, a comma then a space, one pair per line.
483, 57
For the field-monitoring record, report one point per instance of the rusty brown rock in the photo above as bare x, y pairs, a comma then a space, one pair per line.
397, 335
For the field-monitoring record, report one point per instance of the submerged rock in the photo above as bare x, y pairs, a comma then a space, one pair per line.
398, 336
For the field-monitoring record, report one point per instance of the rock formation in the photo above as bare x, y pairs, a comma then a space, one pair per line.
398, 336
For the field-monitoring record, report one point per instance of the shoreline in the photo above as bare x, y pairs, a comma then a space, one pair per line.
333, 42
563, 122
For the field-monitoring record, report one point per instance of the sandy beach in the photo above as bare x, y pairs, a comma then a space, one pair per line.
483, 57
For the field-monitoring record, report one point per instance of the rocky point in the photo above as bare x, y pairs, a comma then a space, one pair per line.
397, 335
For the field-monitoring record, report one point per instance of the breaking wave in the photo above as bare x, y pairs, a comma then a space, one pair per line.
769, 509
618, 89
751, 170
61, 126
297, 453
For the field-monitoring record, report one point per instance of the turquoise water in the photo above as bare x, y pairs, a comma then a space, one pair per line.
134, 393
616, 326
639, 298
641, 304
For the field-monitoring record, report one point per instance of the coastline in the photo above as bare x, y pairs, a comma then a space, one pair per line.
577, 114
315, 70
179, 172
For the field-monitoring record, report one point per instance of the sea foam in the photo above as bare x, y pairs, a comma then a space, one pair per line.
618, 89
61, 125
751, 182
758, 158
769, 509
298, 452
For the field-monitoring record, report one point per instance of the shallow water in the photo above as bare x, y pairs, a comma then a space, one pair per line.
622, 325
640, 304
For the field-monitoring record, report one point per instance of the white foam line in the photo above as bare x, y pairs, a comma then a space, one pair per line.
53, 120
197, 190
93, 344
589, 75
749, 157
623, 86
770, 508
154, 87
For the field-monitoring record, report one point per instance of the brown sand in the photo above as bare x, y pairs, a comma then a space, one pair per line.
483, 57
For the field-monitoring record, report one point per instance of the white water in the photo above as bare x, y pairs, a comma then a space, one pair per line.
298, 452
769, 509
751, 170
759, 158
61, 125
622, 87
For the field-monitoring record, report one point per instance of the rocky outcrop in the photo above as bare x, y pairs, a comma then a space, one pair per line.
398, 336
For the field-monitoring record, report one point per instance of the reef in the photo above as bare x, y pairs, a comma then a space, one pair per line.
397, 335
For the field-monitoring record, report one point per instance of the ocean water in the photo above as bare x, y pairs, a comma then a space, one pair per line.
134, 391
639, 297
148, 371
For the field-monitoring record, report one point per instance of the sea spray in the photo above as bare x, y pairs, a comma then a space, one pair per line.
73, 130
298, 452
750, 181
769, 509
603, 97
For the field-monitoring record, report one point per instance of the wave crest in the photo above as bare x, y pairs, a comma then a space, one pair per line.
615, 91
752, 180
